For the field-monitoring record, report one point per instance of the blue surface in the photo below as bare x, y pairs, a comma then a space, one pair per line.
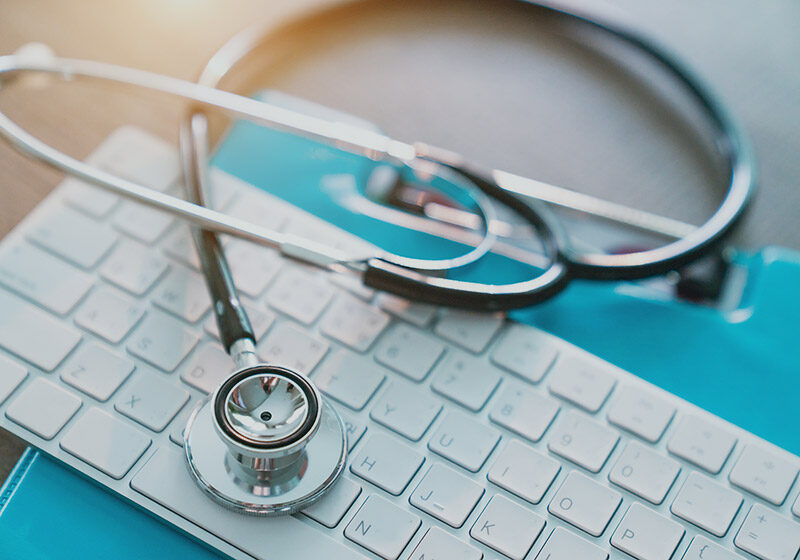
740, 365
48, 512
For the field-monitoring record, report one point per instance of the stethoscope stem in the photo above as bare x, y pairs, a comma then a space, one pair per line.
243, 353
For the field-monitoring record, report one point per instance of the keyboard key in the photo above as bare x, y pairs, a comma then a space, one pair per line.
524, 412
96, 370
641, 412
446, 495
330, 510
581, 381
525, 351
299, 294
208, 368
223, 189
92, 200
354, 285
349, 378
354, 429
139, 157
582, 441
180, 245
179, 425
11, 375
464, 441
471, 331
387, 463
43, 408
183, 292
584, 503
105, 443
133, 267
707, 504
253, 267
507, 528
164, 479
417, 314
290, 347
523, 471
382, 528
409, 352
646, 535
406, 410
161, 341
644, 472
768, 535
465, 380
702, 443
764, 473
353, 322
144, 223
19, 319
260, 319
151, 400
438, 545
73, 236
563, 545
256, 209
703, 549
796, 507
108, 313
42, 278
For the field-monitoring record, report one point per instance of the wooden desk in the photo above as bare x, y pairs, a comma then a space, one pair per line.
486, 85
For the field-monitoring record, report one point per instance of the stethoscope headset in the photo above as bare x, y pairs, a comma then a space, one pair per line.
267, 442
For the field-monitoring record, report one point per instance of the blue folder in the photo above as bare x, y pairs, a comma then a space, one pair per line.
738, 364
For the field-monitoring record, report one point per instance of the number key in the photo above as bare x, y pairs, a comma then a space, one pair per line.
764, 474
582, 441
524, 412
644, 472
465, 380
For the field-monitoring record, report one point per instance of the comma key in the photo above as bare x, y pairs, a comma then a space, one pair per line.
438, 545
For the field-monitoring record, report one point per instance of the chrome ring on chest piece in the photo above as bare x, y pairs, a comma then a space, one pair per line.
265, 442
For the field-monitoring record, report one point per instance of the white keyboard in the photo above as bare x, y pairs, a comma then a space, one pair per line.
471, 437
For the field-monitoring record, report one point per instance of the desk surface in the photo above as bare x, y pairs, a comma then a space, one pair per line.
480, 80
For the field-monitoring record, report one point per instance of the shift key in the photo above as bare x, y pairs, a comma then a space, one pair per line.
34, 335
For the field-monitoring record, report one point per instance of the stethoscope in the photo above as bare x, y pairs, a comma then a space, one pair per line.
267, 442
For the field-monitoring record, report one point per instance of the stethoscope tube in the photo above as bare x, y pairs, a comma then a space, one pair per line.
730, 142
377, 269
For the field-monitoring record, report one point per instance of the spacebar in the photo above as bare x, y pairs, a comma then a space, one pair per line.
166, 480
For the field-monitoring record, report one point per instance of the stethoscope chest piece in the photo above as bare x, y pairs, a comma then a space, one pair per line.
265, 443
